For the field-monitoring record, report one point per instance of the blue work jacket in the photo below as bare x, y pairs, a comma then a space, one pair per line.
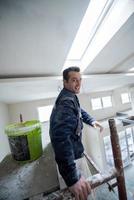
66, 124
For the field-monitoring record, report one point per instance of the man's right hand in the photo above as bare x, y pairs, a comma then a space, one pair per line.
81, 189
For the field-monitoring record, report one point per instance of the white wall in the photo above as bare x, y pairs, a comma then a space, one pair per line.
105, 112
29, 110
93, 142
4, 120
92, 139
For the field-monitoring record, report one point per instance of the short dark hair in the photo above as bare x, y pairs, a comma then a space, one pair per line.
70, 69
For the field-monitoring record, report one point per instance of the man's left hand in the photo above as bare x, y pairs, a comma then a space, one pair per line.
97, 124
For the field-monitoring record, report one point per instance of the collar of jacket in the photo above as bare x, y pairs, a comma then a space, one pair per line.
68, 91
71, 94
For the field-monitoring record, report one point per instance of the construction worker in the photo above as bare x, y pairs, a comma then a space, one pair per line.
66, 123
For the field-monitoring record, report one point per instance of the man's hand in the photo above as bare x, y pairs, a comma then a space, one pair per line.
81, 189
97, 124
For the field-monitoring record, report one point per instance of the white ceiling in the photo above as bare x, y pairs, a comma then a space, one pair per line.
118, 54
35, 38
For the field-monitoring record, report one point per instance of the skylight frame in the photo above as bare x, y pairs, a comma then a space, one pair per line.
75, 58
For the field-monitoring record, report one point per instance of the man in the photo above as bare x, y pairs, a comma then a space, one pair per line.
66, 133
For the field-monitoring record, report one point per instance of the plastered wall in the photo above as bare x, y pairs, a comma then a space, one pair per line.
92, 141
29, 110
4, 120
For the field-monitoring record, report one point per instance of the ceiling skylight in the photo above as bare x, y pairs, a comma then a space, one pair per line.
86, 29
92, 19
100, 23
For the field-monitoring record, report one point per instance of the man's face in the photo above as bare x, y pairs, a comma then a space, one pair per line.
74, 82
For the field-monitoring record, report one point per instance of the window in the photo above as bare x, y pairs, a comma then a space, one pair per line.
99, 103
96, 103
126, 141
44, 113
102, 20
125, 98
107, 102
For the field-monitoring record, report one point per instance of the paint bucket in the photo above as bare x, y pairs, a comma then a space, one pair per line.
25, 140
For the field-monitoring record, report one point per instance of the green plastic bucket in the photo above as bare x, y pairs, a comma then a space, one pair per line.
25, 140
